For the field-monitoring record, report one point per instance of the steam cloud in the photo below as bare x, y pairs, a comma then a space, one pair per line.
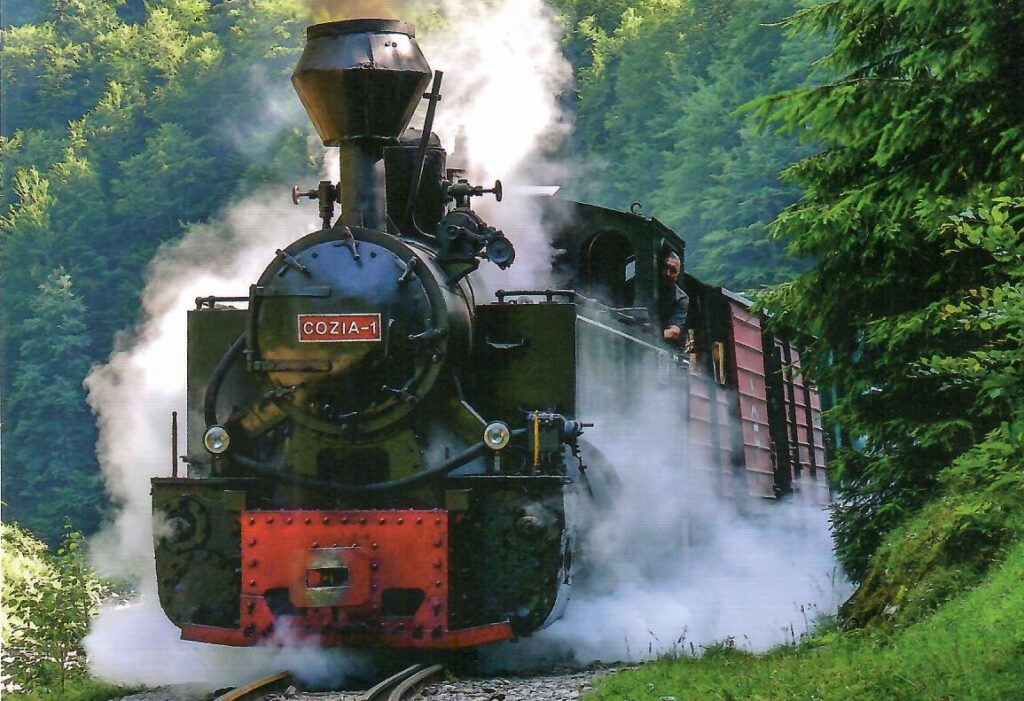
503, 72
667, 565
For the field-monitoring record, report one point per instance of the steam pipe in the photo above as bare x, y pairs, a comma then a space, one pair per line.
475, 451
217, 379
174, 444
362, 183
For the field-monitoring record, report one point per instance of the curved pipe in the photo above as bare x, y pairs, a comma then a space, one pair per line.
444, 468
217, 379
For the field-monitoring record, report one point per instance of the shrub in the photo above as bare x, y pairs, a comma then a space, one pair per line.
48, 600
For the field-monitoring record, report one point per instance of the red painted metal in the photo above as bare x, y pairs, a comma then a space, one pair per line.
711, 429
214, 635
748, 377
338, 328
325, 573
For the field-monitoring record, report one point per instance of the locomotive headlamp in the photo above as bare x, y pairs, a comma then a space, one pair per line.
216, 439
497, 435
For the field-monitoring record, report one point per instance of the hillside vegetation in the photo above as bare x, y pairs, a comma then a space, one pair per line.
122, 123
659, 83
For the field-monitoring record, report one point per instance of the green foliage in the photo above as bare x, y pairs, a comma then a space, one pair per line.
583, 21
48, 600
970, 649
992, 312
719, 183
77, 689
121, 123
660, 86
921, 121
952, 543
53, 438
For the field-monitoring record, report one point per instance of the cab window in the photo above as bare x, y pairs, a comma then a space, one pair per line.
608, 269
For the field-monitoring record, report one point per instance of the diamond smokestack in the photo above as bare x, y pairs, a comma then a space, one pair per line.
360, 82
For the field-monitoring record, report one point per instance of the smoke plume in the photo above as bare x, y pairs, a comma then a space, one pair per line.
500, 112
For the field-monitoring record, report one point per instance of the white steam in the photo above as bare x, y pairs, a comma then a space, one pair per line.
134, 394
503, 72
668, 565
136, 644
503, 75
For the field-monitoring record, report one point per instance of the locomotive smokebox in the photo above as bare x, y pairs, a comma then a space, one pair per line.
360, 82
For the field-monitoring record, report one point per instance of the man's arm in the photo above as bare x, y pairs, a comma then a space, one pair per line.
676, 321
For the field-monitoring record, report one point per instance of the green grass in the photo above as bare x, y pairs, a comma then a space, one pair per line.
970, 648
77, 690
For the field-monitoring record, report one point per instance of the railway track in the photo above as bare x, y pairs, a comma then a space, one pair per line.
397, 687
401, 686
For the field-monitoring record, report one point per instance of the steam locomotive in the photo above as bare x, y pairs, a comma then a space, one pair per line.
378, 459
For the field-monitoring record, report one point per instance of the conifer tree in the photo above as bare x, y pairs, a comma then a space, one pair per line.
658, 122
920, 120
719, 183
51, 461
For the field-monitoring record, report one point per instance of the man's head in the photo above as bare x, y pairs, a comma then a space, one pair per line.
671, 266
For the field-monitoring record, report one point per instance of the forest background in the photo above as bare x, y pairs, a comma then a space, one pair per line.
891, 243
122, 127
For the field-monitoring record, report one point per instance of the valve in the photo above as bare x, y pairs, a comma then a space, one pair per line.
327, 193
461, 191
496, 191
298, 194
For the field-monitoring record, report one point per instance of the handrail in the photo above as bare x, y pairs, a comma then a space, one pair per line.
548, 293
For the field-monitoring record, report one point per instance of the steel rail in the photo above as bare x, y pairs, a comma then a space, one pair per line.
257, 689
414, 681
398, 686
378, 692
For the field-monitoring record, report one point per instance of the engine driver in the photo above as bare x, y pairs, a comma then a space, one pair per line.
673, 303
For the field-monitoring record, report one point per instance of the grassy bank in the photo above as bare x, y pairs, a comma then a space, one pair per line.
76, 690
970, 648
